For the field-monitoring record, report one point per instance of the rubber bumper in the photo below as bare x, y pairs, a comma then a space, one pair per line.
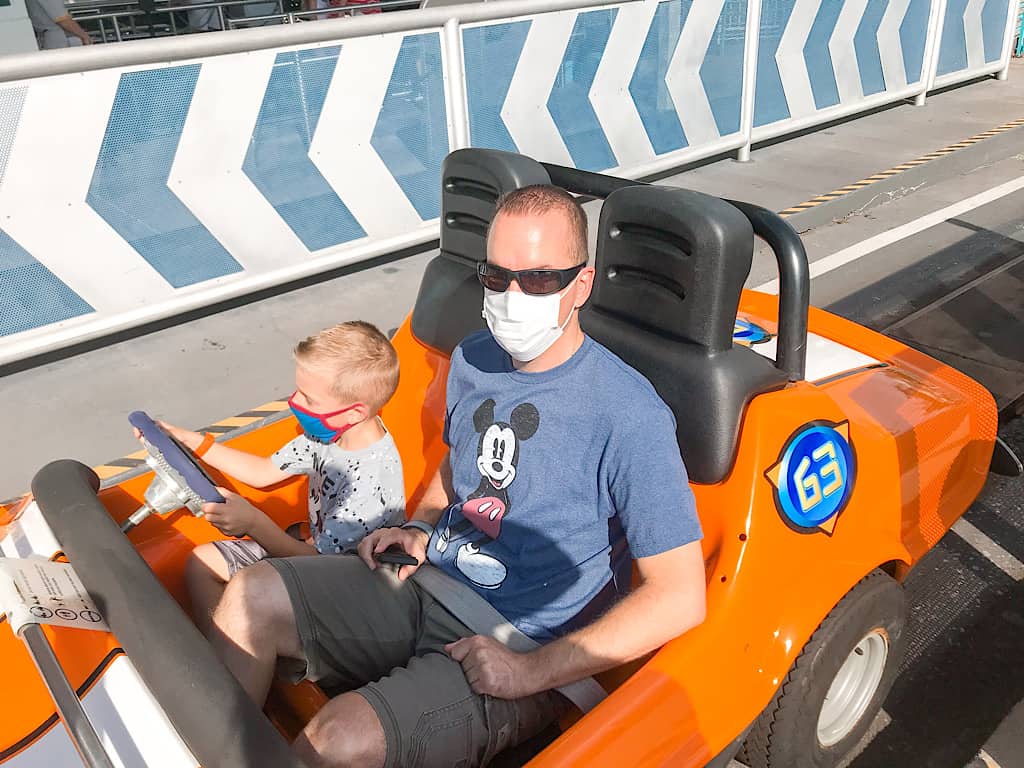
208, 708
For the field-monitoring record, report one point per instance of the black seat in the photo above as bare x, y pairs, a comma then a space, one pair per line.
451, 298
671, 264
670, 267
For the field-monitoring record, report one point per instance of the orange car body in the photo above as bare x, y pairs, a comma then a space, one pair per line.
922, 437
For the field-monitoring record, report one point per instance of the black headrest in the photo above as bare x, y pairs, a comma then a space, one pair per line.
450, 298
673, 261
671, 264
472, 180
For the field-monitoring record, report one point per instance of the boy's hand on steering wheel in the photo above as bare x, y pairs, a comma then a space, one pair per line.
235, 517
186, 437
410, 540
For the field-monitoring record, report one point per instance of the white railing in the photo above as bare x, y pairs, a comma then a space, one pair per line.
149, 178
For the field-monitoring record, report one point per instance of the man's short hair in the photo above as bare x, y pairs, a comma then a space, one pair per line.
539, 199
362, 364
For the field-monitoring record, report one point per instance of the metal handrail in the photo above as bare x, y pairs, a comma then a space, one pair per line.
168, 49
69, 707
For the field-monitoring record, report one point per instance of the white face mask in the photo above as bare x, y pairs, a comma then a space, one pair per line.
525, 326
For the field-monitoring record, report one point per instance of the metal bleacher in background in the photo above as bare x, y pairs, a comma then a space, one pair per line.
109, 21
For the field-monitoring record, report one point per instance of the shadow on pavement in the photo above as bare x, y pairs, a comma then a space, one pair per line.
961, 677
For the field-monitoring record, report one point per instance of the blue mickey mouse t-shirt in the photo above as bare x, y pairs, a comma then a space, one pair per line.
561, 477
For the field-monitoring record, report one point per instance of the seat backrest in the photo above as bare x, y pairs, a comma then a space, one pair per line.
450, 298
671, 264
670, 268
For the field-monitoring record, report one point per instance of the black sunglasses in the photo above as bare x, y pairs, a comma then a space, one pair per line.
536, 282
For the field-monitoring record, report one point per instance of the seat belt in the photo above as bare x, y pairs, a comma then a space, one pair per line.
481, 617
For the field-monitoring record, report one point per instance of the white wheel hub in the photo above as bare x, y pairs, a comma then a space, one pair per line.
853, 688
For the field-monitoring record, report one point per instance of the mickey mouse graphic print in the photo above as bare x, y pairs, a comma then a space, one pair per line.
561, 477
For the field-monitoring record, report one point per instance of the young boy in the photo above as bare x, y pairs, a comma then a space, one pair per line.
343, 376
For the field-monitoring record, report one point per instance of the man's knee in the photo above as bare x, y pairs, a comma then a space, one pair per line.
346, 732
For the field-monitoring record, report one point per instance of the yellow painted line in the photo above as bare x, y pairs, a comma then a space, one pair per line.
901, 168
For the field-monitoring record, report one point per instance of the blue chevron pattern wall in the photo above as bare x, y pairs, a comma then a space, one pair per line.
192, 177
972, 34
609, 88
129, 184
187, 183
818, 54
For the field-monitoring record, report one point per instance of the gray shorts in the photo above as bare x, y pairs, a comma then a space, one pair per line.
238, 553
366, 631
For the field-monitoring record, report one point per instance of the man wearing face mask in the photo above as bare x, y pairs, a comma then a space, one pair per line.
563, 467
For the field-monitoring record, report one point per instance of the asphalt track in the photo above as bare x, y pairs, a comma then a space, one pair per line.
953, 705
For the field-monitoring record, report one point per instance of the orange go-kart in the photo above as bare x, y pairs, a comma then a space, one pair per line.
826, 460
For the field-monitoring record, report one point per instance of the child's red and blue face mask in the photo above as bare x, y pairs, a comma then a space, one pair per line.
315, 424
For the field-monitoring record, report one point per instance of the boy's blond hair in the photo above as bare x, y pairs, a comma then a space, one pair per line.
360, 360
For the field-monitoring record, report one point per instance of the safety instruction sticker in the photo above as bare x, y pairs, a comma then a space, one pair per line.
38, 591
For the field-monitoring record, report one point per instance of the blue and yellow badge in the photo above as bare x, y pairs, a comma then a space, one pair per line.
814, 476
747, 333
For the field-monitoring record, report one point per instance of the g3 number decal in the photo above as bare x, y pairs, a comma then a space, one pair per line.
814, 476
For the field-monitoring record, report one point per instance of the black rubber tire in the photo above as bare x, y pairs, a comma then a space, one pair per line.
785, 735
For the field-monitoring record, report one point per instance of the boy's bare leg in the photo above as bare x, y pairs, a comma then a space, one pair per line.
254, 625
206, 574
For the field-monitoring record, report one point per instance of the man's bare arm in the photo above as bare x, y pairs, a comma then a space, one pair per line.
438, 495
435, 501
672, 588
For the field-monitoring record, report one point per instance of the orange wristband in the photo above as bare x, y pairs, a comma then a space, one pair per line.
205, 445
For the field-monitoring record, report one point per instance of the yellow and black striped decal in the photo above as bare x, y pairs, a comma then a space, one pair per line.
898, 169
112, 469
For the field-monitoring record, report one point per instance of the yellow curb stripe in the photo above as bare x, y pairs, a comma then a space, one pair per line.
901, 168
273, 405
